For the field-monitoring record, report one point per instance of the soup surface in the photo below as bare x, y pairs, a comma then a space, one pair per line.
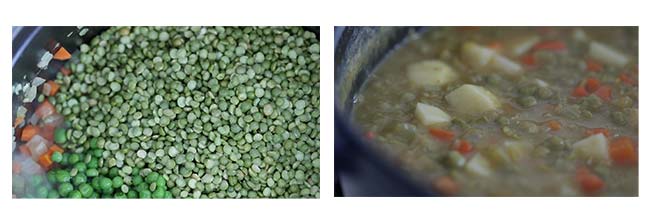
510, 111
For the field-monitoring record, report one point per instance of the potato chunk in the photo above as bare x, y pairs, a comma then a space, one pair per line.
431, 72
607, 55
594, 146
517, 150
431, 116
504, 65
472, 100
484, 59
518, 45
478, 166
475, 55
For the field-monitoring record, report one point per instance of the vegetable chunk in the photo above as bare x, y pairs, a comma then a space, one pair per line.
478, 166
475, 55
431, 116
472, 100
607, 55
594, 146
519, 45
431, 72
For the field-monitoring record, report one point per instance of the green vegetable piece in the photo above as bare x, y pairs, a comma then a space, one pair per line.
60, 136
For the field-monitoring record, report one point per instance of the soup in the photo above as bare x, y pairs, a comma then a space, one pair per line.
509, 111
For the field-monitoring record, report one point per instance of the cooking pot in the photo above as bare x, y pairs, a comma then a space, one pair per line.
360, 170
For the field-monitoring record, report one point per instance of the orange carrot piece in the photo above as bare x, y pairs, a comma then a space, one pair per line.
552, 45
496, 45
464, 147
554, 125
622, 151
65, 71
45, 109
15, 167
52, 88
626, 79
604, 92
45, 161
24, 150
580, 91
590, 183
593, 65
62, 54
28, 132
441, 134
54, 148
592, 84
595, 131
446, 186
528, 59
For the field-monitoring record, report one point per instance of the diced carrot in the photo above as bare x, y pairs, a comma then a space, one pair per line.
446, 186
592, 84
528, 59
28, 132
590, 184
18, 121
45, 109
370, 135
15, 167
62, 54
50, 88
496, 45
54, 148
604, 92
441, 134
626, 79
593, 65
552, 45
554, 125
622, 151
24, 150
464, 147
595, 131
45, 161
580, 91
65, 71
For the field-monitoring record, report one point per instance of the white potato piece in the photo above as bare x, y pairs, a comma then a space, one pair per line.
519, 45
504, 65
430, 115
517, 150
431, 72
478, 166
607, 55
594, 146
472, 100
475, 55
578, 34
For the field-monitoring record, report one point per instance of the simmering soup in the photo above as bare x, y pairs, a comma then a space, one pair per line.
510, 111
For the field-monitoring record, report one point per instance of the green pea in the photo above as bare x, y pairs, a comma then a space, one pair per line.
75, 194
60, 136
86, 190
105, 183
57, 157
65, 189
41, 192
527, 101
62, 176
